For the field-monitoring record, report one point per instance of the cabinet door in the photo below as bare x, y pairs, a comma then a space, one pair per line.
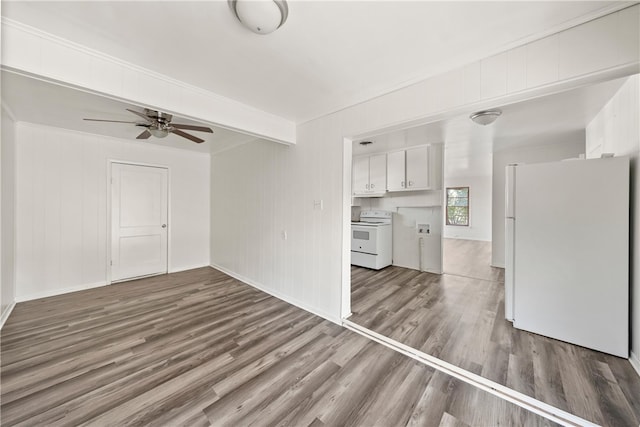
418, 168
378, 173
360, 182
395, 171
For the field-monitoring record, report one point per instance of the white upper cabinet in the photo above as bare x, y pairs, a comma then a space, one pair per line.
360, 181
417, 168
409, 169
395, 171
369, 175
378, 173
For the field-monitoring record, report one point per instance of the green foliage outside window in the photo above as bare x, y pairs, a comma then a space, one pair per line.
458, 206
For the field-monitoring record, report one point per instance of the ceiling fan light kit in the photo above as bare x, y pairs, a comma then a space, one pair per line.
486, 117
158, 132
159, 124
260, 16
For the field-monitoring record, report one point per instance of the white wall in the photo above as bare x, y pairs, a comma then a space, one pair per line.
411, 208
61, 207
616, 129
261, 190
569, 146
8, 180
479, 208
418, 251
308, 267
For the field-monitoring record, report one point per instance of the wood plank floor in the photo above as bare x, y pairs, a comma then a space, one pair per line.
477, 259
201, 348
460, 320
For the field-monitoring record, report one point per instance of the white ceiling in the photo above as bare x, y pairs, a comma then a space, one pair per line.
328, 55
469, 147
35, 101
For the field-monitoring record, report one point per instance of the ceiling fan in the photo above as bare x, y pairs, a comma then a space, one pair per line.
159, 125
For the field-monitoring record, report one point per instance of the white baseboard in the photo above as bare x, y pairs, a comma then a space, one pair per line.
54, 292
285, 298
634, 359
426, 270
180, 269
6, 314
477, 239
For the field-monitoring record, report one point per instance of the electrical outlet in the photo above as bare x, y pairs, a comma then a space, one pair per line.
318, 205
424, 228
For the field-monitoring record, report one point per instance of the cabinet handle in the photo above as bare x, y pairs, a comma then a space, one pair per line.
410, 183
402, 184
367, 186
372, 185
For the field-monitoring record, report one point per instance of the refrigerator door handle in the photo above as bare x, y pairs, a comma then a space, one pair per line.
510, 191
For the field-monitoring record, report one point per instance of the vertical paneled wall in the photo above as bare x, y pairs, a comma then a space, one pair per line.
8, 180
61, 216
265, 228
616, 129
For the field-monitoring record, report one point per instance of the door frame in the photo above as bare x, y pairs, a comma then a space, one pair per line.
108, 248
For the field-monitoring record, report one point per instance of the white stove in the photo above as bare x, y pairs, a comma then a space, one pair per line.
371, 240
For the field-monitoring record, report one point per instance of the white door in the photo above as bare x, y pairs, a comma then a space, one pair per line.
138, 221
378, 173
395, 171
418, 168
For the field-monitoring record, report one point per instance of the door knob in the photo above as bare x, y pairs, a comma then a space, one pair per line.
164, 225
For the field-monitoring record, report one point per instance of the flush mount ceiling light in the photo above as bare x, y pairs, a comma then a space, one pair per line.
485, 117
260, 16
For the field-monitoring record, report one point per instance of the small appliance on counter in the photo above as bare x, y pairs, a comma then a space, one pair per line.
371, 240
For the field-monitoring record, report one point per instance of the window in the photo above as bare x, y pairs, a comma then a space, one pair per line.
458, 206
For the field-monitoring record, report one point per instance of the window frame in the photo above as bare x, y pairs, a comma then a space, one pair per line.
468, 206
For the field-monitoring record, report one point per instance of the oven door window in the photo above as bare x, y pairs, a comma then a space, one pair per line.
360, 235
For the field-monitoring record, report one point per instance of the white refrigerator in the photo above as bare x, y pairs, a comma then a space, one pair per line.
567, 251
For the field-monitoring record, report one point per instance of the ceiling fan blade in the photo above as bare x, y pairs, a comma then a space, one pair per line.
110, 121
144, 135
139, 114
186, 135
192, 127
